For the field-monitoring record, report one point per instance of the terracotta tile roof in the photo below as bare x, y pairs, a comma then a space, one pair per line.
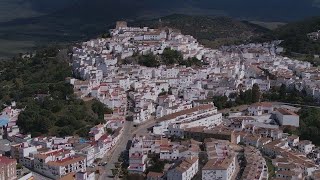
66, 161
286, 112
186, 164
154, 174
52, 153
219, 163
5, 160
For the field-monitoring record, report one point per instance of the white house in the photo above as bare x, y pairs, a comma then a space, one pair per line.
287, 118
168, 152
305, 146
203, 115
58, 163
137, 162
185, 170
97, 131
85, 176
87, 150
293, 140
219, 168
260, 108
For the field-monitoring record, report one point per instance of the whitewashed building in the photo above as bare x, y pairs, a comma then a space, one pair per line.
219, 168
203, 115
287, 118
185, 170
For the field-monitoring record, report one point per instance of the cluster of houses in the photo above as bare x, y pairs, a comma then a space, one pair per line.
183, 159
101, 74
56, 157
171, 96
256, 134
291, 157
8, 122
175, 98
183, 156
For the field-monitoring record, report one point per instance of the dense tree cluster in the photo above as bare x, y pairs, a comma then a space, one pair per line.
295, 36
169, 57
309, 125
191, 62
309, 117
148, 60
38, 85
249, 96
235, 99
156, 165
289, 95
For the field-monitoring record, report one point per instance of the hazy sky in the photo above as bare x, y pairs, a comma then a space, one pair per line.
268, 10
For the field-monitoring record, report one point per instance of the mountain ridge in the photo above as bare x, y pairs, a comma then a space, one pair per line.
78, 20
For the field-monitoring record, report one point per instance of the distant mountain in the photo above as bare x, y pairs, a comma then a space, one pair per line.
267, 10
272, 10
42, 21
14, 9
48, 6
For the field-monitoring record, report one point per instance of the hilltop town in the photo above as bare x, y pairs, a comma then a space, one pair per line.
165, 124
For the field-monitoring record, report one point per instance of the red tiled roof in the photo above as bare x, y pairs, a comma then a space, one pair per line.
6, 160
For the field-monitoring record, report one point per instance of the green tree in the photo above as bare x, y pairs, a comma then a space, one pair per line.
38, 85
109, 131
220, 101
247, 96
66, 131
256, 94
148, 60
100, 109
282, 91
191, 62
170, 57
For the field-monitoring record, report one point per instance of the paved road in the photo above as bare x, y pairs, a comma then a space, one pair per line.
113, 155
143, 128
290, 104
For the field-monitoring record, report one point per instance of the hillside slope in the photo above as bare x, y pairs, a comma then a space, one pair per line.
295, 36
210, 31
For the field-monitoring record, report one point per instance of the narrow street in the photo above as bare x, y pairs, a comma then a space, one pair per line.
143, 128
112, 157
